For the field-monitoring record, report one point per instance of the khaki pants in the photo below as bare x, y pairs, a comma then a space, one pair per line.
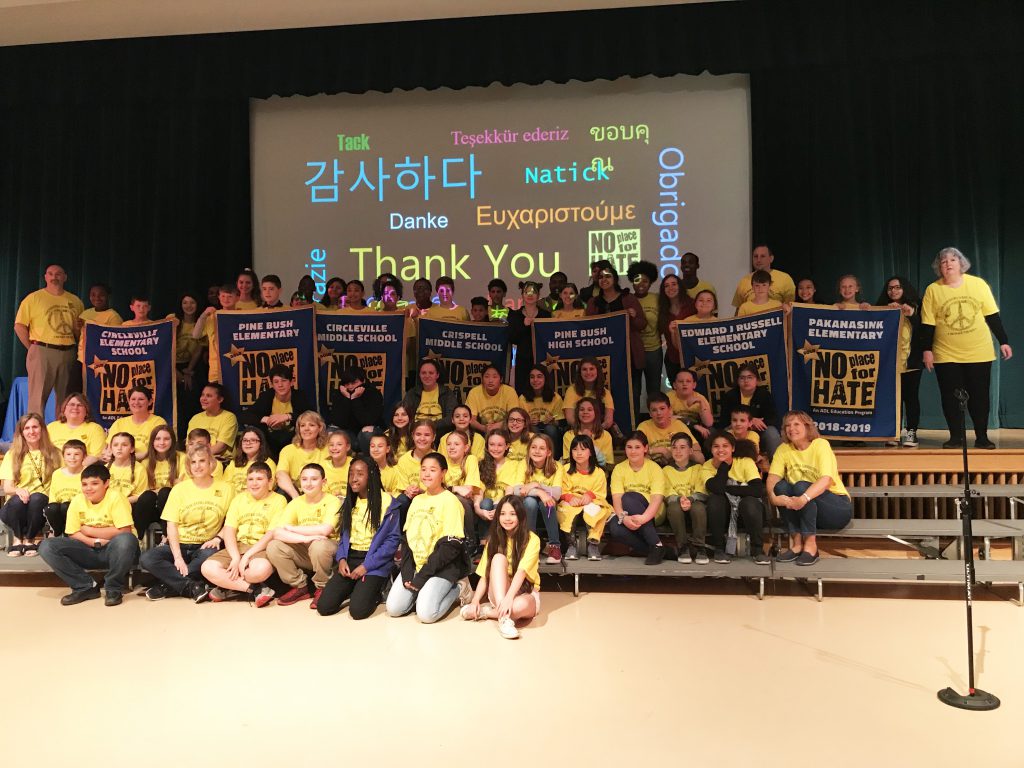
223, 557
48, 370
292, 560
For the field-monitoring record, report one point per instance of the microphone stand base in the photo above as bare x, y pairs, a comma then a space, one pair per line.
979, 701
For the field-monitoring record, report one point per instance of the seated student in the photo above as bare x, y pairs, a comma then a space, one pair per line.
336, 464
221, 424
848, 293
270, 292
200, 436
194, 512
660, 428
741, 428
251, 448
761, 284
305, 538
461, 418
26, 470
508, 571
127, 474
685, 493
431, 399
370, 536
540, 487
589, 381
140, 423
381, 455
544, 405
434, 557
75, 423
517, 424
99, 536
140, 307
584, 495
734, 489
65, 485
490, 401
399, 434
309, 446
463, 479
241, 567
276, 408
357, 407
497, 474
478, 310
164, 468
690, 406
587, 418
804, 483
638, 488
446, 308
747, 392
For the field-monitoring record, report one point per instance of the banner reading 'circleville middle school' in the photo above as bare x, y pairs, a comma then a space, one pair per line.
463, 350
251, 343
374, 341
118, 358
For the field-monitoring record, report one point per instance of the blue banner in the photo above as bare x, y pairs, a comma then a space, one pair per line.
715, 350
118, 358
844, 370
463, 350
560, 345
374, 341
249, 344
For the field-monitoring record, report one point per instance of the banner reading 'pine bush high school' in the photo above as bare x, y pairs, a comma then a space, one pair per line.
118, 358
844, 370
462, 350
374, 341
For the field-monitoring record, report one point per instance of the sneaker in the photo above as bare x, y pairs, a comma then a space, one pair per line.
465, 591
159, 592
464, 612
806, 558
507, 629
723, 557
554, 553
264, 597
593, 550
685, 557
220, 595
910, 440
702, 557
760, 558
786, 556
985, 444
294, 595
655, 556
199, 591
316, 598
952, 444
571, 553
80, 596
112, 599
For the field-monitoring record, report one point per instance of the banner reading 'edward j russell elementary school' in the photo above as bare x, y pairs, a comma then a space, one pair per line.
251, 343
560, 345
715, 350
844, 370
118, 358
463, 350
374, 341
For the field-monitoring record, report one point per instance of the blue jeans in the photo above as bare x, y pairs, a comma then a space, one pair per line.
645, 537
432, 602
770, 441
160, 562
535, 509
71, 560
827, 512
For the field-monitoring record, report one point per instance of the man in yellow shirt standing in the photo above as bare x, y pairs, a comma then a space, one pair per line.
782, 288
46, 324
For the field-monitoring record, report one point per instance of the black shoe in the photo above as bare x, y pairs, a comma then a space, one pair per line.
953, 444
723, 557
112, 599
80, 596
761, 558
199, 591
159, 592
985, 444
786, 556
655, 556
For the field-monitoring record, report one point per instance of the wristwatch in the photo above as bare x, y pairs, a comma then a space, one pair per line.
97, 544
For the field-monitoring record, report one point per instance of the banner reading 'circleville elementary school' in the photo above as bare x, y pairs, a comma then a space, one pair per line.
118, 358
844, 370
560, 345
374, 341
463, 350
715, 350
249, 344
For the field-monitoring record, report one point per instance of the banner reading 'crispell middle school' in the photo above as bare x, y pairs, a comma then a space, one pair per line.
462, 350
374, 341
249, 344
118, 358
715, 350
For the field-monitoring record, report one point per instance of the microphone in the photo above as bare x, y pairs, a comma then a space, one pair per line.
961, 395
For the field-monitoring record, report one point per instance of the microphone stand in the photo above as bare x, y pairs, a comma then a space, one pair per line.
976, 699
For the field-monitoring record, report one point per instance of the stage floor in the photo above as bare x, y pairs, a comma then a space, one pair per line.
610, 678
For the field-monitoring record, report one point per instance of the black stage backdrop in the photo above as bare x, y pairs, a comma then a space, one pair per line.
882, 131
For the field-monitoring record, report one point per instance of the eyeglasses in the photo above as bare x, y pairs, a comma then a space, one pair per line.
251, 440
894, 287
519, 419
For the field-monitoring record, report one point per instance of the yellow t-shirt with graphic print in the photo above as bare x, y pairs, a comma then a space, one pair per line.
429, 407
687, 412
336, 481
112, 511
129, 481
88, 432
518, 449
750, 308
431, 518
647, 481
529, 561
958, 314
293, 458
782, 288
302, 512
702, 285
236, 476
222, 428
742, 470
437, 312
808, 465
64, 486
361, 535
50, 319
488, 409
651, 334
140, 432
662, 438
470, 475
198, 512
684, 482
571, 398
543, 411
162, 471
391, 480
476, 446
32, 476
252, 518
510, 473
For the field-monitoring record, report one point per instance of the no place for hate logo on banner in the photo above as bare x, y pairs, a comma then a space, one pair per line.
560, 345
463, 350
374, 341
251, 343
118, 358
715, 350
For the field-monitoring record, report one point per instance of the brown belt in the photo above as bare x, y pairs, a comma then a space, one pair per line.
61, 347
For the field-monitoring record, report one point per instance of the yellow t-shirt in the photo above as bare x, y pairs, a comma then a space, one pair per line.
50, 319
112, 511
569, 314
650, 335
128, 481
553, 480
702, 285
437, 312
252, 518
280, 408
33, 472
361, 535
106, 317
198, 512
742, 471
222, 428
647, 481
408, 467
391, 480
476, 446
336, 482
429, 407
293, 458
185, 346
539, 410
140, 432
684, 482
246, 304
782, 289
662, 438
579, 484
404, 445
470, 476
958, 314
571, 398
88, 432
162, 471
752, 436
431, 518
603, 444
235, 476
488, 409
529, 561
518, 449
302, 512
64, 486
510, 473
750, 308
688, 412
808, 465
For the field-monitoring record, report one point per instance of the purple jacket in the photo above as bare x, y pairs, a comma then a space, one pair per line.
381, 555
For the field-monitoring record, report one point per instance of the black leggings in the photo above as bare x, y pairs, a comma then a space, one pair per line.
147, 510
751, 514
910, 383
24, 520
975, 379
57, 516
364, 595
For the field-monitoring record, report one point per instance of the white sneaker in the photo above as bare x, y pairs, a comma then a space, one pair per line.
684, 556
910, 439
507, 629
702, 557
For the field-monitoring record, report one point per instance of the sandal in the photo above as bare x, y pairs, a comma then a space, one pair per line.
31, 550
16, 550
